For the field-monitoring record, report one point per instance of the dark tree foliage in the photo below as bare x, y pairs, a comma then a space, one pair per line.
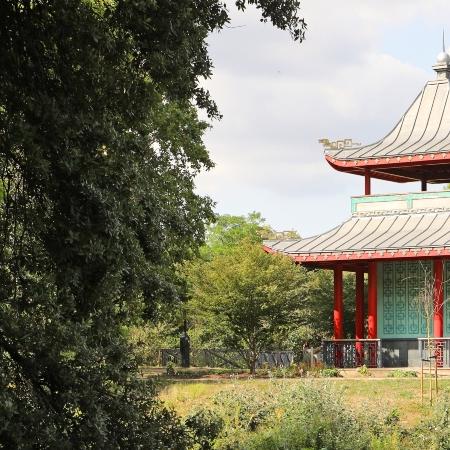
99, 146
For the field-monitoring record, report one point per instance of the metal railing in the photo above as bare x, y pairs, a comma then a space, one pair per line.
438, 348
226, 358
350, 353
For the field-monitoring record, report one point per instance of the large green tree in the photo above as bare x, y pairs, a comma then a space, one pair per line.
311, 317
244, 297
99, 144
228, 231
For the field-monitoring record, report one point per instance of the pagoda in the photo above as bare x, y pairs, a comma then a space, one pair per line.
391, 241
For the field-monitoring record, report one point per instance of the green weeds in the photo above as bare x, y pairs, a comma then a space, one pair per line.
400, 373
364, 371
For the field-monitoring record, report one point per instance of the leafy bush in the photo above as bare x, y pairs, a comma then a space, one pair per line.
435, 432
296, 416
205, 426
309, 417
170, 369
330, 372
244, 409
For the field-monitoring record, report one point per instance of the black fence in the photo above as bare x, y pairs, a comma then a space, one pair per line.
350, 353
226, 358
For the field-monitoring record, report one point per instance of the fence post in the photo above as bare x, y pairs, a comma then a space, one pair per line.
421, 381
379, 364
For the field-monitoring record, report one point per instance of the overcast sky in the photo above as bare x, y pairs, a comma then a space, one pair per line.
360, 67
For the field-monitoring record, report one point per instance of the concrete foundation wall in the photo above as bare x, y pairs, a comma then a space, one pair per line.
400, 353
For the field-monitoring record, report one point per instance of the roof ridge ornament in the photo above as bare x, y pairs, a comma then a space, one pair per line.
339, 144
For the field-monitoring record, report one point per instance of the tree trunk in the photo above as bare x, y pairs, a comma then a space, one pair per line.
252, 357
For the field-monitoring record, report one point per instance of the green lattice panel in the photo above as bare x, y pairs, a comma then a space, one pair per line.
388, 299
401, 298
423, 271
413, 288
400, 284
447, 297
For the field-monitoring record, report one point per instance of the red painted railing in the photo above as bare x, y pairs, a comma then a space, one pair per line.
438, 348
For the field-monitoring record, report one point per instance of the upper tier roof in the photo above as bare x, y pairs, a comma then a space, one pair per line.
420, 139
424, 128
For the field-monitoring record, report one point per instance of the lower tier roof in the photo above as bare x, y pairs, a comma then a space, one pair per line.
384, 231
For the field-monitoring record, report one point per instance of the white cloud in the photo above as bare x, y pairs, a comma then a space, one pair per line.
278, 98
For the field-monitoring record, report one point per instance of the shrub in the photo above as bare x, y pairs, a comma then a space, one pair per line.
170, 369
304, 415
435, 432
313, 417
205, 426
244, 409
330, 372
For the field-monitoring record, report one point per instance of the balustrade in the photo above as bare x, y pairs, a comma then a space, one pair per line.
350, 353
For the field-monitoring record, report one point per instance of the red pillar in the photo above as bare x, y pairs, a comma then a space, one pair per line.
338, 313
438, 298
367, 182
372, 301
359, 316
423, 185
359, 300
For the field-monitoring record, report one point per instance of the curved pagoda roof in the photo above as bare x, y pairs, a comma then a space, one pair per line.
381, 227
417, 148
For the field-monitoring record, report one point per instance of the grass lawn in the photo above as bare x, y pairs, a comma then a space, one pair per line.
402, 395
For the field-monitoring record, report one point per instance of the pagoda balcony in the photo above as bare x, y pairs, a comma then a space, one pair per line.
398, 203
